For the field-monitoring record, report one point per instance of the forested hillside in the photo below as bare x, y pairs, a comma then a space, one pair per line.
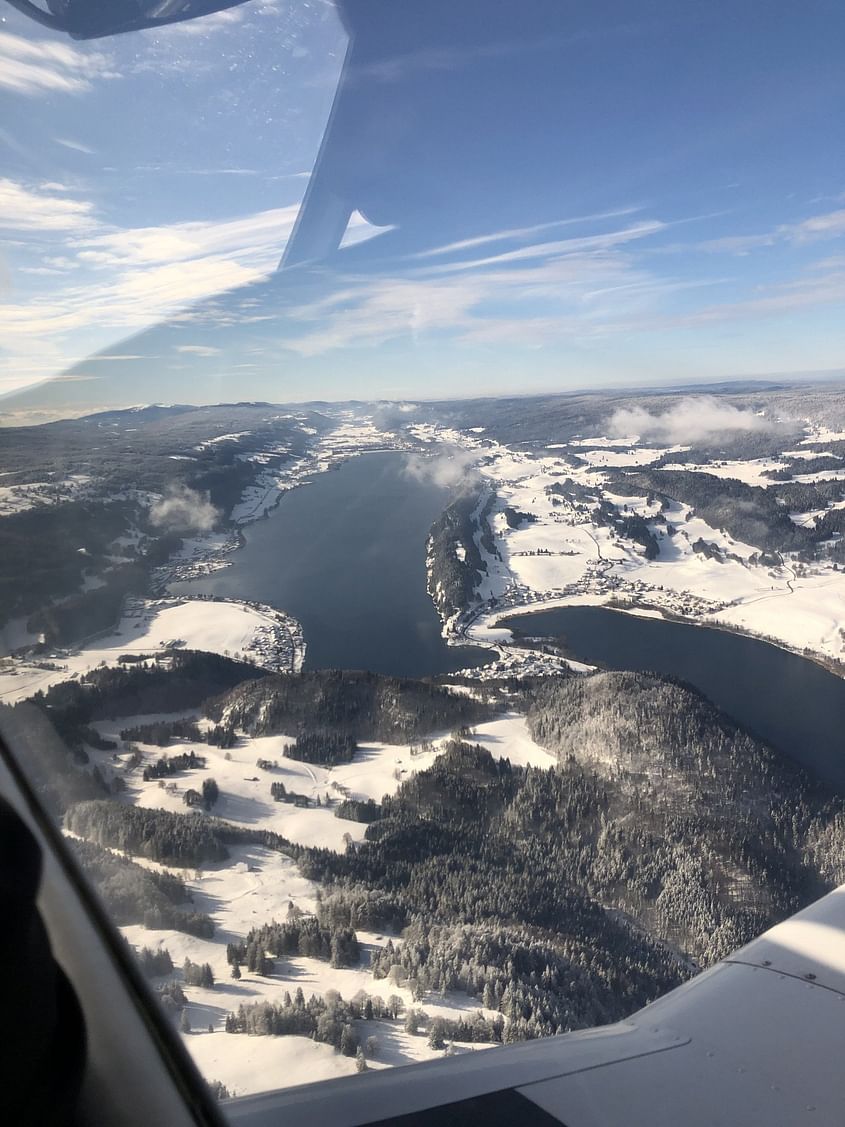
707, 835
364, 706
560, 896
660, 807
181, 680
455, 564
481, 861
748, 512
118, 460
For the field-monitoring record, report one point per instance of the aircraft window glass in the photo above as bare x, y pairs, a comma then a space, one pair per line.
337, 338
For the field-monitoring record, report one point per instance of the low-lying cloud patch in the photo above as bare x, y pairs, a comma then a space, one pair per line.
393, 416
687, 421
446, 470
183, 509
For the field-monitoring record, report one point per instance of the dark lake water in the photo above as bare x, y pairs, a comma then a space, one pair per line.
792, 703
345, 555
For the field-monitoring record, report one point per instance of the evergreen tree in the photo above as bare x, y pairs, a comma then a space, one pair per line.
210, 793
348, 1041
436, 1039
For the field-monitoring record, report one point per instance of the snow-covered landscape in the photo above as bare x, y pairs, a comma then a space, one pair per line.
556, 556
154, 626
560, 557
257, 885
577, 519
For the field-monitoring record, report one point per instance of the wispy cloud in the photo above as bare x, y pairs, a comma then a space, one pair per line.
369, 312
816, 228
112, 356
217, 21
25, 209
574, 291
37, 67
584, 243
253, 241
198, 349
828, 226
76, 146
813, 289
125, 278
174, 170
536, 293
515, 233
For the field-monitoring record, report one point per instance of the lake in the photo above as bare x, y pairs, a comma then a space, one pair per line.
789, 701
345, 555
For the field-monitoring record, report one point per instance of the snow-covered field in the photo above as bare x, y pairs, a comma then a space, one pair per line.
560, 557
257, 885
36, 494
153, 627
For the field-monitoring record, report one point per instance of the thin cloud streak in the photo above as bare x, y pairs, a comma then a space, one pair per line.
524, 232
578, 245
75, 146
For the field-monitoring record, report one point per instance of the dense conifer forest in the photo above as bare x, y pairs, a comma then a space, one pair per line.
326, 748
180, 680
173, 839
363, 706
302, 935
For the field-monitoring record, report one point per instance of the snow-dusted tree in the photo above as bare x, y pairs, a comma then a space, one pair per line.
436, 1038
349, 1042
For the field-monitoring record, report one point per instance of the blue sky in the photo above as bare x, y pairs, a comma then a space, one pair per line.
564, 196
